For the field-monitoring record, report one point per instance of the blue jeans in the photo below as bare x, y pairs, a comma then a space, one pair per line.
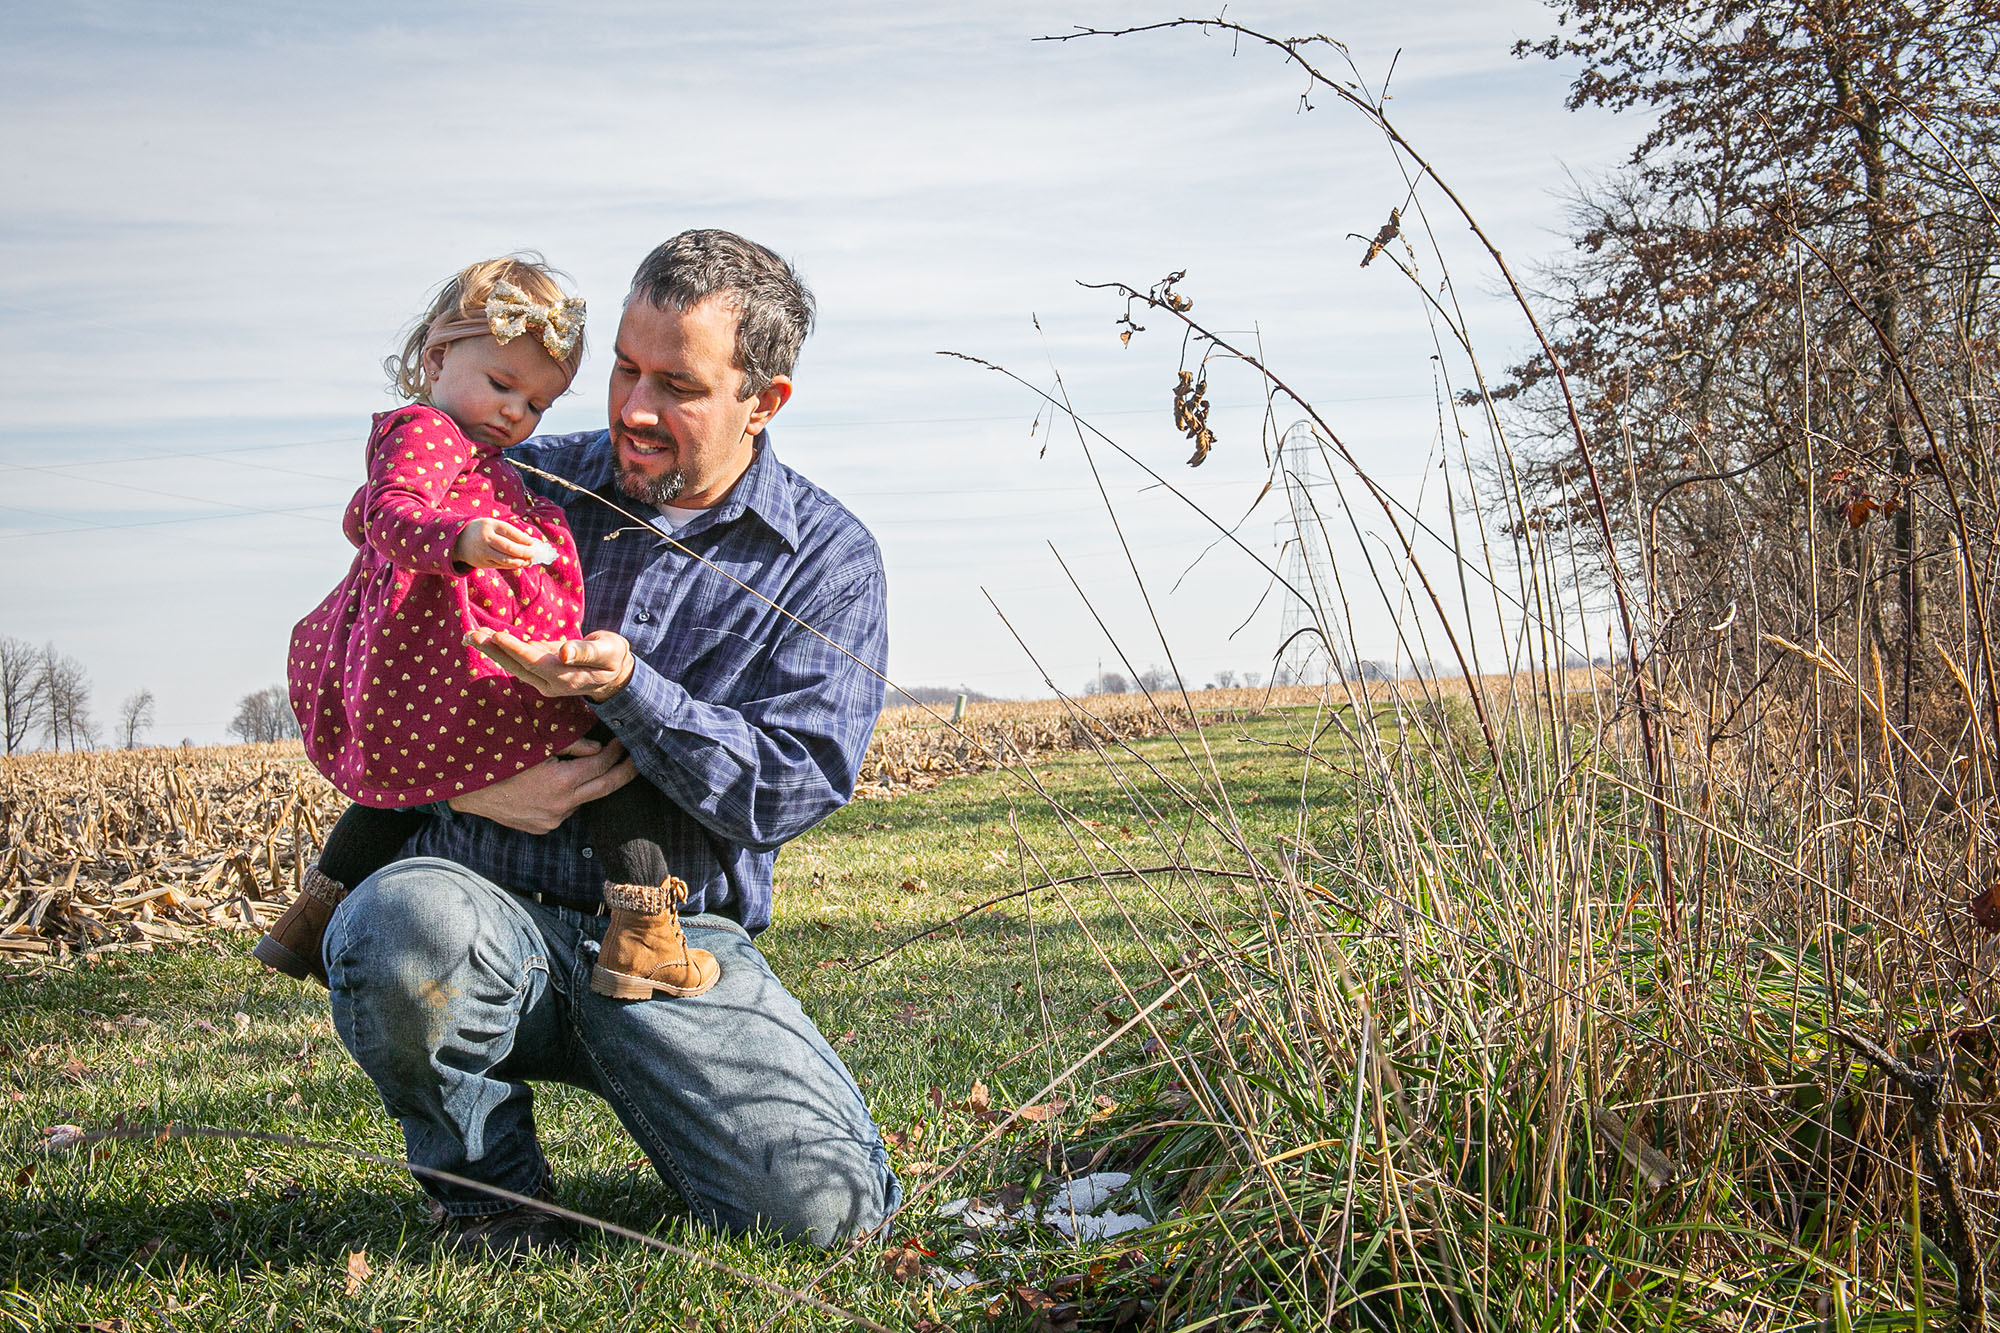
453, 995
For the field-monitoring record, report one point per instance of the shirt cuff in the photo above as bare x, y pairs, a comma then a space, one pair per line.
647, 704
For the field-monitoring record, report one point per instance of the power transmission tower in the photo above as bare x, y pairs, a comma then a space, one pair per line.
1310, 497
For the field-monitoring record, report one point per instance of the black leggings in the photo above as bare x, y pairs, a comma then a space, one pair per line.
623, 828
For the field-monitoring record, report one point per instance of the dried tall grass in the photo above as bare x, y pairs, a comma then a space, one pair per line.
1642, 1000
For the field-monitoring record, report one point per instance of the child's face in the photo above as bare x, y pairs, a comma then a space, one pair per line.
495, 392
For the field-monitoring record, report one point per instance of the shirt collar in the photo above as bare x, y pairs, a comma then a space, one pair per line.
763, 491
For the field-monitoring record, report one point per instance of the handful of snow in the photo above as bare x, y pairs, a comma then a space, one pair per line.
1074, 1209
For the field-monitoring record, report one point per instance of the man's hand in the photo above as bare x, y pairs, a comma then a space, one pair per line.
594, 667
537, 799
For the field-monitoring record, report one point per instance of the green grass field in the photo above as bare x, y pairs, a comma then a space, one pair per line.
191, 1233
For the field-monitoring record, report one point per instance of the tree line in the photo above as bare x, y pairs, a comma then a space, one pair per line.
1778, 329
45, 694
1156, 679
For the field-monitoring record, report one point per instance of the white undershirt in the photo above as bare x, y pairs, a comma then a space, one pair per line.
672, 518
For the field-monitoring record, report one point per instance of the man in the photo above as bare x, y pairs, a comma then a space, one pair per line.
737, 666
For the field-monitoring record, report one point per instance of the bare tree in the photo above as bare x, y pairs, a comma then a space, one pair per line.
20, 701
265, 715
1782, 306
134, 716
63, 689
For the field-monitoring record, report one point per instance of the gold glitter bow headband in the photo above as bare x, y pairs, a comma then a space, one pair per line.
509, 313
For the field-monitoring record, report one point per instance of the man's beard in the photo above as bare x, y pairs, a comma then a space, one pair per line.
656, 490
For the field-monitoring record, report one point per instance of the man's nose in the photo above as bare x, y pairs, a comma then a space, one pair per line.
639, 410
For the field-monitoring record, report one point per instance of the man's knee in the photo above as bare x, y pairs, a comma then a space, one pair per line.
837, 1212
824, 1203
424, 956
409, 922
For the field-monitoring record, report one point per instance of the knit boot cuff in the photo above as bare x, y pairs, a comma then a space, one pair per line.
646, 899
317, 885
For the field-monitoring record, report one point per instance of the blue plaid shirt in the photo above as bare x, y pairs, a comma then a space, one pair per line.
752, 725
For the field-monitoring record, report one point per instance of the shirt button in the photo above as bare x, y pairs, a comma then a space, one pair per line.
587, 853
643, 617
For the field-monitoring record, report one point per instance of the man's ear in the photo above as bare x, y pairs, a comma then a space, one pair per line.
774, 396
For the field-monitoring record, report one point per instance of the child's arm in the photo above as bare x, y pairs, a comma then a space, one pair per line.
494, 543
414, 459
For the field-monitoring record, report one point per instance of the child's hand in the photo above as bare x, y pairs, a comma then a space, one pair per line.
493, 543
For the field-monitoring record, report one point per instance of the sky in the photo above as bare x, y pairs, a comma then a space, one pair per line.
217, 220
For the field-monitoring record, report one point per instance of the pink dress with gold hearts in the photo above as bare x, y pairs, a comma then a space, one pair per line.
395, 710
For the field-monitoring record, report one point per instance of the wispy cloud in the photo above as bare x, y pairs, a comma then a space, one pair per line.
219, 216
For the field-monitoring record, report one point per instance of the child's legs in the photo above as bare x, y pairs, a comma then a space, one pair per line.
624, 828
644, 953
365, 840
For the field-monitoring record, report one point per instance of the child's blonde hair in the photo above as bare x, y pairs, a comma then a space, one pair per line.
460, 311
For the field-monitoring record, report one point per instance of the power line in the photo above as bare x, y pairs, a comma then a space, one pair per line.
809, 424
303, 510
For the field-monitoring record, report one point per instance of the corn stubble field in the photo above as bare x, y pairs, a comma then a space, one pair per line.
113, 851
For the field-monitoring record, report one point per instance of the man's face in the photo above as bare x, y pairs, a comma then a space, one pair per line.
679, 432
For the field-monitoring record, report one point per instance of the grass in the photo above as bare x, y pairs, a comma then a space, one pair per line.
1649, 1000
206, 1234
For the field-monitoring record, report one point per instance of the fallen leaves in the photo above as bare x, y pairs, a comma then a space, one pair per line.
1985, 908
979, 1105
906, 1138
61, 1138
358, 1271
904, 1262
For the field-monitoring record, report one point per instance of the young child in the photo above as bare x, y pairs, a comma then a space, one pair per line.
396, 711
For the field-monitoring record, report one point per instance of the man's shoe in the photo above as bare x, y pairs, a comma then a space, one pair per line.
291, 945
645, 952
512, 1235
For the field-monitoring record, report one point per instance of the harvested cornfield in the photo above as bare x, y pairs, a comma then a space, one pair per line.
917, 746
128, 849
131, 848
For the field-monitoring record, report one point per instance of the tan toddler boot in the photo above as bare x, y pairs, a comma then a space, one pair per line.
291, 945
644, 949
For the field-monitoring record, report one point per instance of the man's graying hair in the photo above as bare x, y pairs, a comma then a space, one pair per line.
775, 309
